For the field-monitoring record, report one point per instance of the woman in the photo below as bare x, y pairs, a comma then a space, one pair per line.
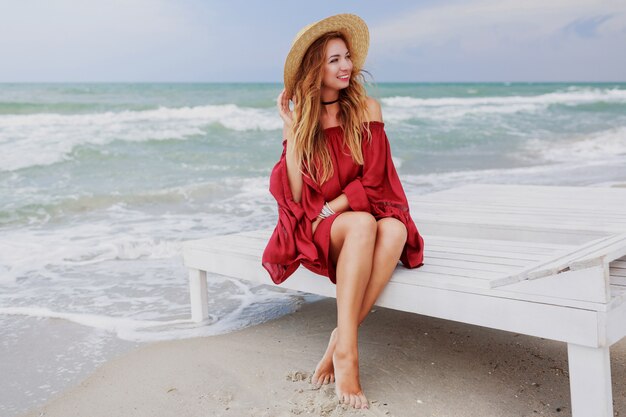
342, 210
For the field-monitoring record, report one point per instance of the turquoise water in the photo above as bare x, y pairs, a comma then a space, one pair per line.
101, 183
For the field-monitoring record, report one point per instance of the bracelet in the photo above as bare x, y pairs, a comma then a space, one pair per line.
326, 211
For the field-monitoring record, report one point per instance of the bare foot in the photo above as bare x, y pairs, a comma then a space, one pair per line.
324, 371
347, 385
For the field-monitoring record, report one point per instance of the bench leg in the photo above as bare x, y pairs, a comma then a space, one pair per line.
590, 381
199, 296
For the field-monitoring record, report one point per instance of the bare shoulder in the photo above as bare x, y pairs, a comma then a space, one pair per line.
374, 112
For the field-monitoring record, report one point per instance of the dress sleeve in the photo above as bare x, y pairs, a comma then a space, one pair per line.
381, 188
292, 238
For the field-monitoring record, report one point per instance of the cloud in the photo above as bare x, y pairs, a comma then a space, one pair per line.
481, 24
502, 40
587, 27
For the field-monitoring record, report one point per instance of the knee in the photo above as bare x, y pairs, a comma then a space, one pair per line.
392, 233
363, 226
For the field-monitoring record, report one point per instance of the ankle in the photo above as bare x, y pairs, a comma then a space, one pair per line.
346, 352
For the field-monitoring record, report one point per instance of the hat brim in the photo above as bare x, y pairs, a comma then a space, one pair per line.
351, 26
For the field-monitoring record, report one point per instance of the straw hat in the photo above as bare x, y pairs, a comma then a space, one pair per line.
353, 28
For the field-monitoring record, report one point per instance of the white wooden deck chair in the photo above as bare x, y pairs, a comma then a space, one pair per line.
537, 260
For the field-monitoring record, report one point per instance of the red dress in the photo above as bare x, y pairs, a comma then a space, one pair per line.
373, 187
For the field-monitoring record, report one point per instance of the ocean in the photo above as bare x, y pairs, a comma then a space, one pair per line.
100, 184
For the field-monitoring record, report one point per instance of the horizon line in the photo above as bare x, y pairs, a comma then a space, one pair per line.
280, 82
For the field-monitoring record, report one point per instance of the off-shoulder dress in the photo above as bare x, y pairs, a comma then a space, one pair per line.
373, 187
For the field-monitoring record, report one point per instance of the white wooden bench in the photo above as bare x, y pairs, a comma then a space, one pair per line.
537, 260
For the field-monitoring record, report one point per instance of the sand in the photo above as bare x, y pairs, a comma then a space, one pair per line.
410, 365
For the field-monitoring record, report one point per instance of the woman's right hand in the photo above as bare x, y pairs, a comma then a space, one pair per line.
283, 108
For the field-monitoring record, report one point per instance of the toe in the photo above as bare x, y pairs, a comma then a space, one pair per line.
364, 402
357, 402
332, 378
353, 400
314, 379
339, 396
326, 379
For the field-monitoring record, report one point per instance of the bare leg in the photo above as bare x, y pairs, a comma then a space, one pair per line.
324, 372
353, 236
390, 240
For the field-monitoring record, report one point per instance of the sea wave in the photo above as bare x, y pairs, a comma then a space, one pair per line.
239, 196
594, 146
251, 306
48, 138
125, 227
31, 210
404, 108
601, 172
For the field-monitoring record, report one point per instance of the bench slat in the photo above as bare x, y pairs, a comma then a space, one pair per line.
516, 209
584, 256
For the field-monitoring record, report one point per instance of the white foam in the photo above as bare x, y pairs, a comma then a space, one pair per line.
117, 325
252, 308
119, 232
44, 139
403, 108
573, 96
595, 146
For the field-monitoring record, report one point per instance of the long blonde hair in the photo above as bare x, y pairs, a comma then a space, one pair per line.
310, 147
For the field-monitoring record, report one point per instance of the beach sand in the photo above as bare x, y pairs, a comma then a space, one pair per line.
410, 365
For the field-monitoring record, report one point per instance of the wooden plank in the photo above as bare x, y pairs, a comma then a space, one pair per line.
527, 220
512, 232
494, 242
517, 204
537, 195
587, 285
559, 215
493, 246
473, 265
440, 249
602, 255
618, 272
460, 272
491, 260
615, 318
540, 193
531, 318
617, 279
585, 255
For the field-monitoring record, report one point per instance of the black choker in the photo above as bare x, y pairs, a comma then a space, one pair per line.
330, 102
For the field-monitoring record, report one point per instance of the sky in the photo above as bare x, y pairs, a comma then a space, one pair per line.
247, 41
